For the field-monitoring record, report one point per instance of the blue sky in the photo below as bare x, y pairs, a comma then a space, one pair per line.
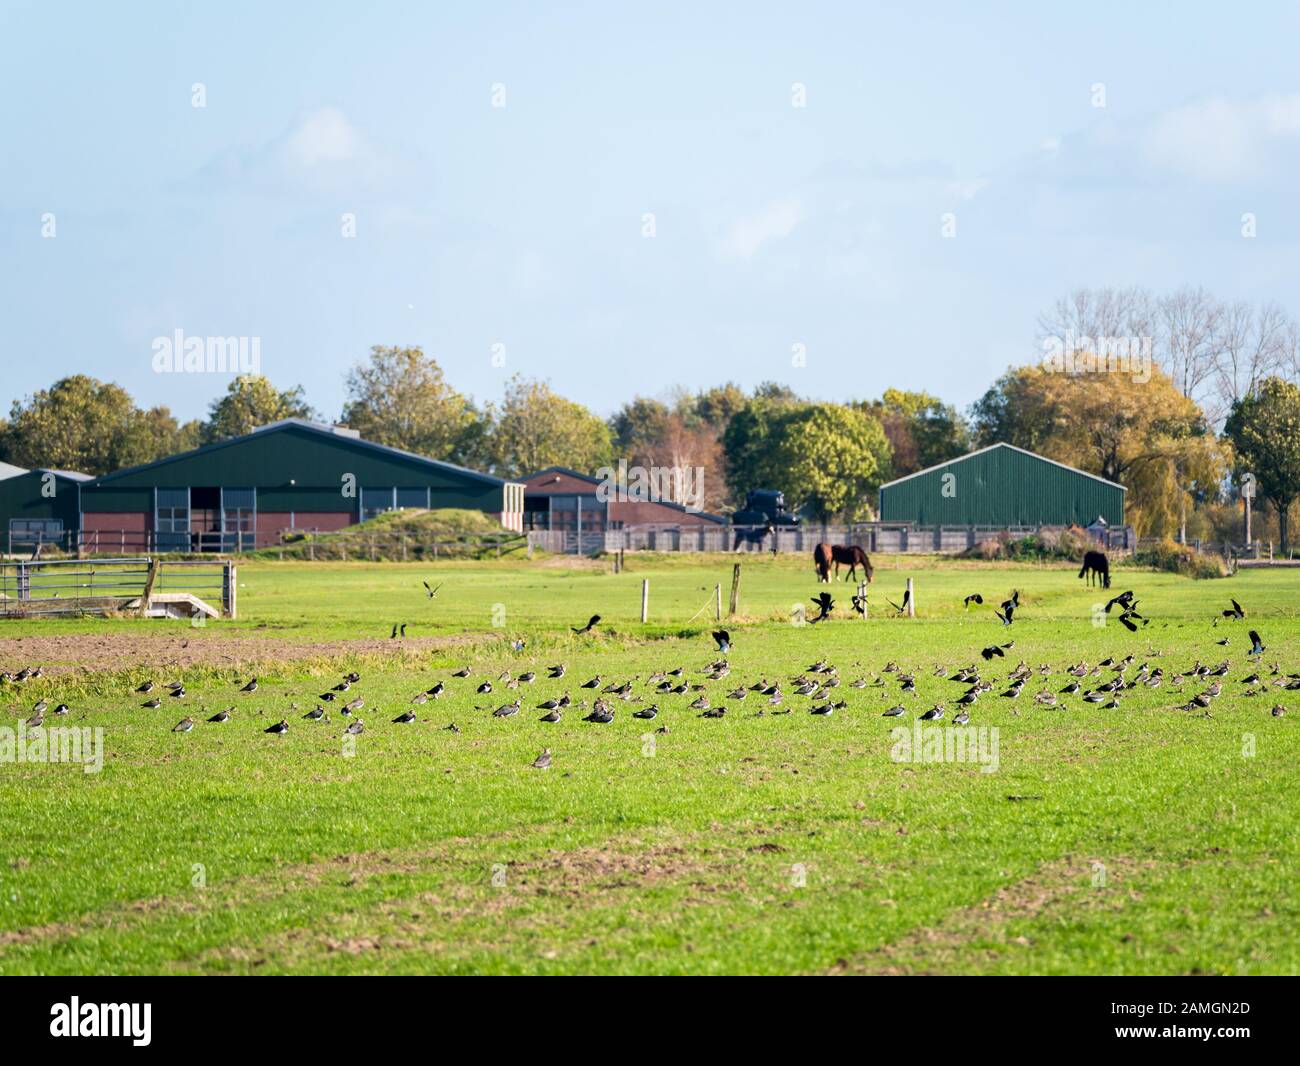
522, 225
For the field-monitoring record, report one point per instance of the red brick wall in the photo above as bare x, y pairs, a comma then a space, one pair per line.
271, 523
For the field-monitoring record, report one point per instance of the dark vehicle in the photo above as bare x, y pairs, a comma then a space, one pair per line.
764, 507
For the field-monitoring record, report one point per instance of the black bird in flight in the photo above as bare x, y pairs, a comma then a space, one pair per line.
907, 598
431, 592
1124, 599
1238, 612
723, 639
992, 650
595, 618
1005, 616
393, 634
825, 604
1256, 648
974, 598
859, 605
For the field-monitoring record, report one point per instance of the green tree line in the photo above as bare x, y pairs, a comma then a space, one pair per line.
829, 458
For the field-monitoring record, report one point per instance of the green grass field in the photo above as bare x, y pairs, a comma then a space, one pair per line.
1141, 839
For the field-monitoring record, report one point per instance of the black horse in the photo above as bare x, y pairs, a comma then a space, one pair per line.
748, 535
1095, 564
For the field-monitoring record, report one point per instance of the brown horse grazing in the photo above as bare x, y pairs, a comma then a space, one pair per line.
1095, 564
852, 556
822, 562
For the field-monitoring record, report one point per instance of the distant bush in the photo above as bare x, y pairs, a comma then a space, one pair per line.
1050, 542
1181, 559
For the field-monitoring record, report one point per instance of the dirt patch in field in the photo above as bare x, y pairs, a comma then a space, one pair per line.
468, 885
117, 651
1073, 881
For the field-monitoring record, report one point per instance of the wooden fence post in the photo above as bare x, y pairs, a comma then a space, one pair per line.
645, 599
734, 605
911, 599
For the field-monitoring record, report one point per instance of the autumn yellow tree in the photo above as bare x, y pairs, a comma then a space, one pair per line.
1136, 429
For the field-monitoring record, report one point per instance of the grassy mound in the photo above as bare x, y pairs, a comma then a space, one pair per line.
408, 535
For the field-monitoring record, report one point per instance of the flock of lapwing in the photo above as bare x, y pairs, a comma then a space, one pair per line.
711, 692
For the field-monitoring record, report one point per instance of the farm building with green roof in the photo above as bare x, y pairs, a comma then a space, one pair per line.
1002, 486
246, 491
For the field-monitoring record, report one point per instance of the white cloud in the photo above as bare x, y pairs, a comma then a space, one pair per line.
1220, 140
321, 150
778, 219
322, 137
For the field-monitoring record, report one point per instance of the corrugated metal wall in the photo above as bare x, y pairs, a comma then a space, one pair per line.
1001, 487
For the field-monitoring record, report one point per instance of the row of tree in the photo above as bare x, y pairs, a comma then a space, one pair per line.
1139, 427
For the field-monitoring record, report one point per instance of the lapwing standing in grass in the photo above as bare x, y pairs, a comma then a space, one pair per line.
826, 709
221, 716
701, 703
484, 688
62, 709
601, 714
146, 688
353, 705
39, 706
356, 728
1278, 711
315, 715
595, 682
462, 672
647, 714
420, 698
506, 710
526, 678
250, 687
556, 671
933, 714
436, 691
152, 704
714, 712
183, 726
518, 644
452, 728
279, 729
961, 717
37, 720
553, 714
543, 761
894, 712
405, 718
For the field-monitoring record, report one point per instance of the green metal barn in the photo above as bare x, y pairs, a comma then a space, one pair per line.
38, 506
292, 475
1002, 485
